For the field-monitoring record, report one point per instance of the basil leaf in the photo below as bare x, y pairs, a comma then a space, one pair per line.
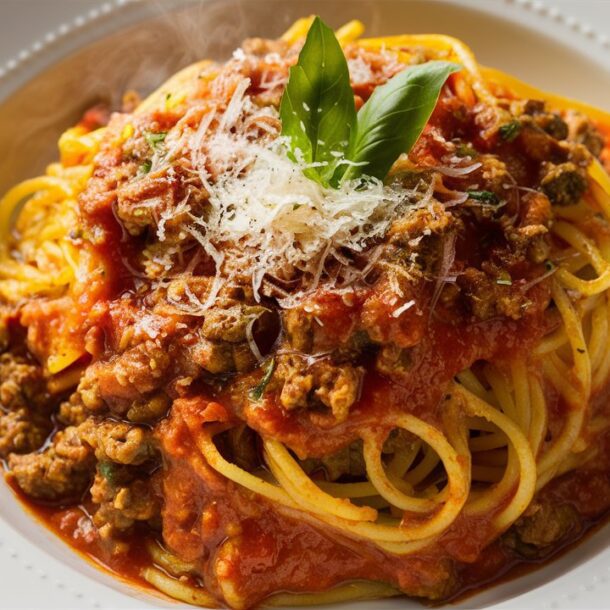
393, 118
317, 107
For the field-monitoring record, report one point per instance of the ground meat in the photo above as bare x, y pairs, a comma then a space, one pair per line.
338, 387
62, 471
419, 222
21, 383
22, 431
224, 341
553, 124
535, 210
530, 238
218, 357
563, 184
486, 298
542, 525
121, 504
537, 144
142, 202
392, 361
582, 131
348, 461
149, 409
322, 383
118, 441
127, 377
549, 122
72, 412
299, 329
307, 334
493, 176
416, 243
229, 324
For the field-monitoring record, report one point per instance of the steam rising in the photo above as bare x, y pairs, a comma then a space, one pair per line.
136, 48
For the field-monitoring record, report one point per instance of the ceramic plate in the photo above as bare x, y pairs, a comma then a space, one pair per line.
125, 45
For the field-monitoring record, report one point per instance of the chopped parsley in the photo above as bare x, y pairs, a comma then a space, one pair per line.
108, 471
484, 196
510, 131
146, 166
549, 265
465, 150
256, 393
154, 139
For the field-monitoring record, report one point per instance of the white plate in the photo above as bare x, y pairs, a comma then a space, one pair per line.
130, 45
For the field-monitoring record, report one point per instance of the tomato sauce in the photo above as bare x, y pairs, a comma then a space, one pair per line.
272, 548
242, 544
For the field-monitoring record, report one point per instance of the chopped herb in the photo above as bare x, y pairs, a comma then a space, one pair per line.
504, 280
167, 96
154, 139
510, 131
465, 150
146, 166
484, 196
580, 350
257, 391
108, 471
549, 265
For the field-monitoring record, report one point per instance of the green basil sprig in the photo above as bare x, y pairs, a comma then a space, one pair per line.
317, 107
319, 116
394, 117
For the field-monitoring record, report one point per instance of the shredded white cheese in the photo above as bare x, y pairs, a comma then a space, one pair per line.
397, 312
265, 221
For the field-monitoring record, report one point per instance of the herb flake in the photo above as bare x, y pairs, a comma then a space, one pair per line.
484, 196
509, 131
256, 393
155, 139
108, 471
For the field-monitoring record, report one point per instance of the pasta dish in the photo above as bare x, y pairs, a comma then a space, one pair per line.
327, 321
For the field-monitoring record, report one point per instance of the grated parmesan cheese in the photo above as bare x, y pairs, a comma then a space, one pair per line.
265, 222
397, 312
265, 217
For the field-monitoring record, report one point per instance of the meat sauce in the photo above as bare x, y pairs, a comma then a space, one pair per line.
271, 539
274, 546
271, 548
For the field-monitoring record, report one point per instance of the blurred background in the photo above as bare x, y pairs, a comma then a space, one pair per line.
19, 28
